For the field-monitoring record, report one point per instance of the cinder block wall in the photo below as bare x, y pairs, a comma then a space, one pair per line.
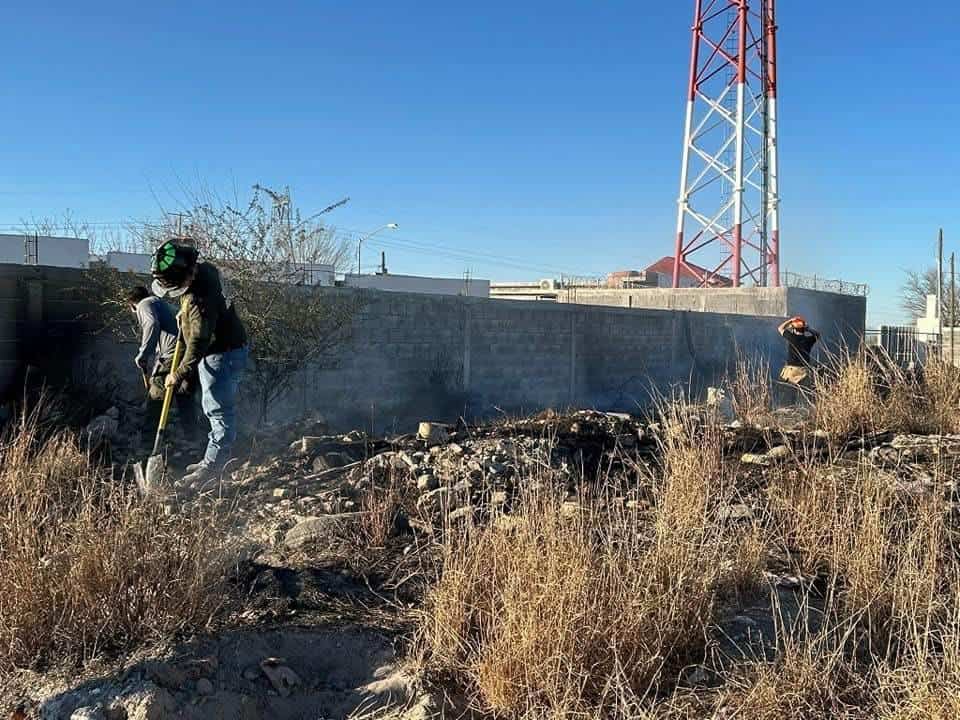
412, 357
43, 313
841, 318
415, 357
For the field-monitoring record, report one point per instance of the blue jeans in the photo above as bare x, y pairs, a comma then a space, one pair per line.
219, 378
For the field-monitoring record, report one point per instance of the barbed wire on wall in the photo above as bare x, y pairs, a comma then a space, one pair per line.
815, 282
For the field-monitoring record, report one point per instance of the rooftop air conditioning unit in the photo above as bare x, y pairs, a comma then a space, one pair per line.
549, 285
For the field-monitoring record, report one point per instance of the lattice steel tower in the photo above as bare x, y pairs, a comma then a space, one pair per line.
728, 220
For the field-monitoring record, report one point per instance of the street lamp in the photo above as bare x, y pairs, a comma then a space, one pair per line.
388, 226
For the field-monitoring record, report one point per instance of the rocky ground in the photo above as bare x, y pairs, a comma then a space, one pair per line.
335, 533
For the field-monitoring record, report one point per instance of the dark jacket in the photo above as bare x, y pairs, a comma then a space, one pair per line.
208, 325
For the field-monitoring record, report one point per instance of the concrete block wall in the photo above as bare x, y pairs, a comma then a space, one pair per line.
412, 356
841, 318
42, 323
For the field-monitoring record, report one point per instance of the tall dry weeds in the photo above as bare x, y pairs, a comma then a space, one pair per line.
870, 393
751, 393
562, 611
847, 401
555, 613
85, 565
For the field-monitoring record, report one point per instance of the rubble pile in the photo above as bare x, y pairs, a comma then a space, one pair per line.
448, 473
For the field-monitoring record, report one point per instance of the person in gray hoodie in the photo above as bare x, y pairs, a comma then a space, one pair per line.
154, 359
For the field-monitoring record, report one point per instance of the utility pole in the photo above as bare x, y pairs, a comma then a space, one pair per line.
940, 290
953, 307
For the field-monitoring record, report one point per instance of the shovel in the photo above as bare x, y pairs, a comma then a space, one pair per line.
150, 477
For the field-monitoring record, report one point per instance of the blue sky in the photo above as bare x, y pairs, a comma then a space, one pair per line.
516, 140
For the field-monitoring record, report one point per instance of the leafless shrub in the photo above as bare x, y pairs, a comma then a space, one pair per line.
267, 251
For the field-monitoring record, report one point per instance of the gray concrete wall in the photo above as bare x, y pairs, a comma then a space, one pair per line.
43, 323
841, 318
412, 356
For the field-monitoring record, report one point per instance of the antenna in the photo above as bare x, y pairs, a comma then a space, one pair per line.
728, 216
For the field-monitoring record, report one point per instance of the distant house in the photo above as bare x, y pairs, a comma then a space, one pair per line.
690, 274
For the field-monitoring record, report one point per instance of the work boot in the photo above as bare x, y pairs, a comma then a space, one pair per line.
192, 468
198, 476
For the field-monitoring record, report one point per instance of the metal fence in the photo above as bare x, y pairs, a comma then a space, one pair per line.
903, 344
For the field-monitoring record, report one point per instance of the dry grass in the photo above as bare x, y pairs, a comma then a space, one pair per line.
564, 612
86, 567
553, 613
847, 400
751, 393
862, 394
380, 505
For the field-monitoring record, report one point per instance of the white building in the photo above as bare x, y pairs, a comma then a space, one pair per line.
423, 285
313, 274
44, 250
128, 262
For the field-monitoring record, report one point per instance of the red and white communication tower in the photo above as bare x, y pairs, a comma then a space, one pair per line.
728, 221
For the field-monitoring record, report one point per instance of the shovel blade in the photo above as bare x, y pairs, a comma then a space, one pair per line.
150, 477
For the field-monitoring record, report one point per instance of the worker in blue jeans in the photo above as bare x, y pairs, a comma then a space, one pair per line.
215, 346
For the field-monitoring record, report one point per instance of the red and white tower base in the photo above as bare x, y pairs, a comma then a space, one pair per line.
728, 220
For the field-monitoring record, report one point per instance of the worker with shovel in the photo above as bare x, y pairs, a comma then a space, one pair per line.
154, 359
214, 346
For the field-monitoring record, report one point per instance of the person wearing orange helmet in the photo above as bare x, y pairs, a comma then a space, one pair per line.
800, 339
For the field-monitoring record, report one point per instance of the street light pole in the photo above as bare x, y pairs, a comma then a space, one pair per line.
388, 226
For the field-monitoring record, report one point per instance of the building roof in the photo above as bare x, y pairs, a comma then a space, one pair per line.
665, 266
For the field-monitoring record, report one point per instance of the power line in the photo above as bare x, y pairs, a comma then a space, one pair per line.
347, 234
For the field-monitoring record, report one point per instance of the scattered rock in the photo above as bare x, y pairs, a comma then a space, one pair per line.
432, 433
754, 459
283, 679
151, 704
319, 529
436, 501
779, 453
732, 513
204, 687
88, 713
427, 482
164, 674
105, 427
